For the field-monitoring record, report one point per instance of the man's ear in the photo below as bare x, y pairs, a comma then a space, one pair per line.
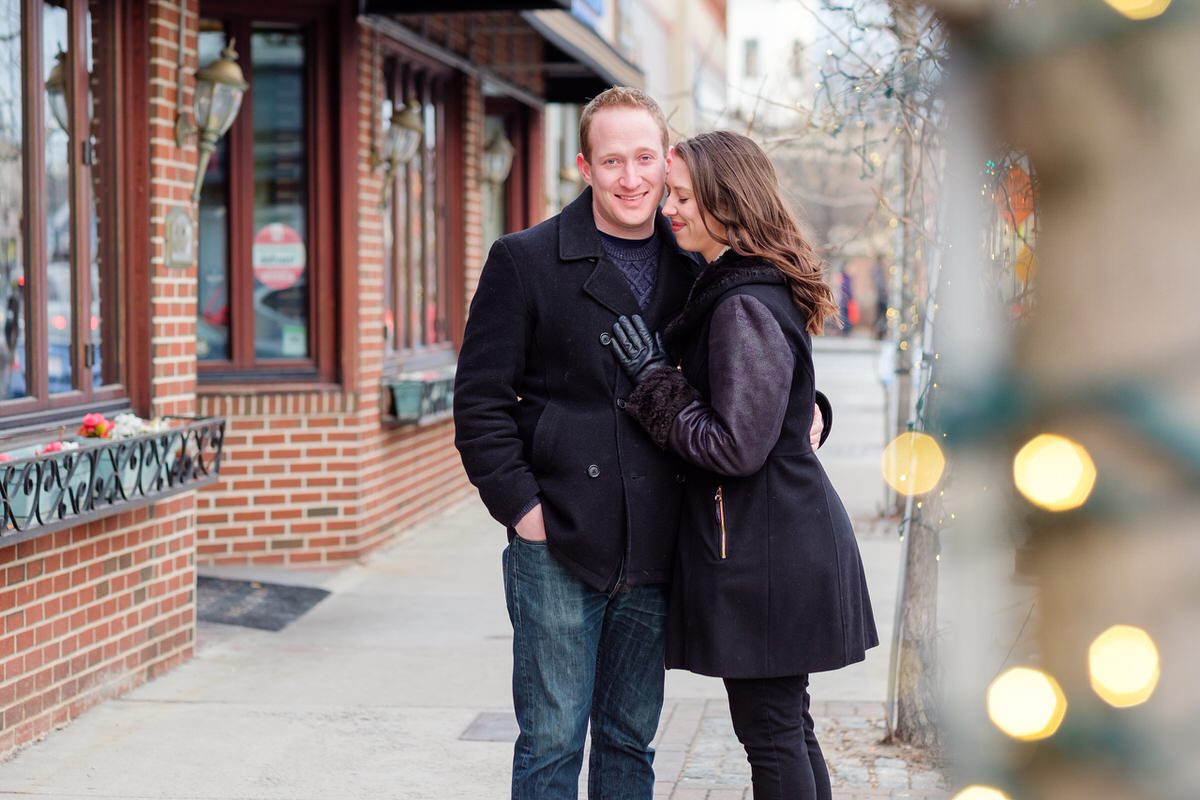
670, 156
585, 169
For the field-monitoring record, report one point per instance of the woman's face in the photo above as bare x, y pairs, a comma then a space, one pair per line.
687, 218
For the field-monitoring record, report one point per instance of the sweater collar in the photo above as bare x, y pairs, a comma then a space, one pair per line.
577, 235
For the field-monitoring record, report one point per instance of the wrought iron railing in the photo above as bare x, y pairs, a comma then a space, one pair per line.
47, 492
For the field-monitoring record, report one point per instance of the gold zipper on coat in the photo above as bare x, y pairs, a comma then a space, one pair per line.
720, 498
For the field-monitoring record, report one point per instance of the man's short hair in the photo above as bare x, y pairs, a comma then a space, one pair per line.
619, 97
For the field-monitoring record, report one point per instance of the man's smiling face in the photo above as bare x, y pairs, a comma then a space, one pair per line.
626, 170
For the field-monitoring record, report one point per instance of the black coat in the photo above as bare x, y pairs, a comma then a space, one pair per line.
538, 398
769, 581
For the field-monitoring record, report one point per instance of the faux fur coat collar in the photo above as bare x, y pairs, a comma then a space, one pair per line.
727, 272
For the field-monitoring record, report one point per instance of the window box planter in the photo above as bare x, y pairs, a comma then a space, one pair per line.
43, 493
421, 398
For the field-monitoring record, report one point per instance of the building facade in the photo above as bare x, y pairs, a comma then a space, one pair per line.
293, 317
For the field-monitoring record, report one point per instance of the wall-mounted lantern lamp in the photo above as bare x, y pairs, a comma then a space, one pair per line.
498, 159
569, 183
220, 87
56, 91
400, 143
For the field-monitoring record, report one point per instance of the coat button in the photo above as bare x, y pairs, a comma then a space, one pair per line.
621, 402
605, 339
593, 471
680, 478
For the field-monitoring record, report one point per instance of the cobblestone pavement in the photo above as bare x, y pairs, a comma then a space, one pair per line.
699, 758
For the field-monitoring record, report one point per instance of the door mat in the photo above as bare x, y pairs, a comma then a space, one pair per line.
251, 604
492, 726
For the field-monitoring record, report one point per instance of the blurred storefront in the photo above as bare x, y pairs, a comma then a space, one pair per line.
286, 338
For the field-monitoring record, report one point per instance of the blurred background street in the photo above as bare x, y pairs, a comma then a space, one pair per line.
397, 684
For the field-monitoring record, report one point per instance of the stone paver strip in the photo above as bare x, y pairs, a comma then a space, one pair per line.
700, 758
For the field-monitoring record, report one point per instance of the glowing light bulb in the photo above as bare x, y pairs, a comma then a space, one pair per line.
1026, 703
1124, 666
979, 792
1054, 472
1139, 9
913, 463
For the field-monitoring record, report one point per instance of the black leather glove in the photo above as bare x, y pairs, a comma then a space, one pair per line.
637, 350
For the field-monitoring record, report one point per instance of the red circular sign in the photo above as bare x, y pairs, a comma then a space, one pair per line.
279, 256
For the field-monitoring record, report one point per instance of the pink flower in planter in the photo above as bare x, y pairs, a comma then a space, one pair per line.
95, 426
5, 457
57, 447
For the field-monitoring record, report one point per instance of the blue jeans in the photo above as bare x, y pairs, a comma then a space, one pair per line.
580, 653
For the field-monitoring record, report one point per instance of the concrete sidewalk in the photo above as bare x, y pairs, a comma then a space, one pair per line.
397, 684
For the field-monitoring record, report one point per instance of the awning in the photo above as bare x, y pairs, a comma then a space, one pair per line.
453, 6
578, 64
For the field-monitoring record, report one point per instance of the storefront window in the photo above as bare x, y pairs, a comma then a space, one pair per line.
59, 276
259, 262
417, 252
279, 252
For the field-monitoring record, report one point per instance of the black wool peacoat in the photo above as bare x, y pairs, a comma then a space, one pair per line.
769, 581
538, 399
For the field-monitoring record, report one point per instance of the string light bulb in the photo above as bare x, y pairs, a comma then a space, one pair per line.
978, 791
1054, 472
1026, 703
1139, 9
1123, 665
913, 463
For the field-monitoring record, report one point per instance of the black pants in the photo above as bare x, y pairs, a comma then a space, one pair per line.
771, 719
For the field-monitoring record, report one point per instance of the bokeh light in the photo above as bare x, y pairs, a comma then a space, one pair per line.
1124, 666
1139, 9
1026, 703
980, 792
913, 463
1054, 472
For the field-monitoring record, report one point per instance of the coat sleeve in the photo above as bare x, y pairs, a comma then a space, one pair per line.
750, 368
487, 384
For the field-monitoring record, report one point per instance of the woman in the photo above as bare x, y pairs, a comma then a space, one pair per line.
768, 585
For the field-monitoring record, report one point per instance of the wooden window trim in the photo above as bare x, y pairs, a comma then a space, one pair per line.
446, 86
128, 232
320, 23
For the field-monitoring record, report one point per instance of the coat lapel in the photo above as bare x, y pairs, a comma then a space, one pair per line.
578, 240
608, 287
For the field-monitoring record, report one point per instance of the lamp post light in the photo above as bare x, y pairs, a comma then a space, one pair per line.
56, 91
220, 87
498, 158
400, 143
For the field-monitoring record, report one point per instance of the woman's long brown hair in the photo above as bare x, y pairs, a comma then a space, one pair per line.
734, 183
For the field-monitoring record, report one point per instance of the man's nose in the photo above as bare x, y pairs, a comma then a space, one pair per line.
629, 176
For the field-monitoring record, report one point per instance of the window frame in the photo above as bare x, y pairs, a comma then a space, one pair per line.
318, 22
441, 83
124, 235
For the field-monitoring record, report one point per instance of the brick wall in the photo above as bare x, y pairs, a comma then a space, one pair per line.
315, 477
92, 611
172, 173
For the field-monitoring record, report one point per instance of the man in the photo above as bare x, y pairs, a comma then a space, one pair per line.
590, 502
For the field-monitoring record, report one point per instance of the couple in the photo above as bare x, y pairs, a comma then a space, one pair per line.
659, 514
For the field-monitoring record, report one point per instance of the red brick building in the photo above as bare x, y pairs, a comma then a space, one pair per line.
306, 281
